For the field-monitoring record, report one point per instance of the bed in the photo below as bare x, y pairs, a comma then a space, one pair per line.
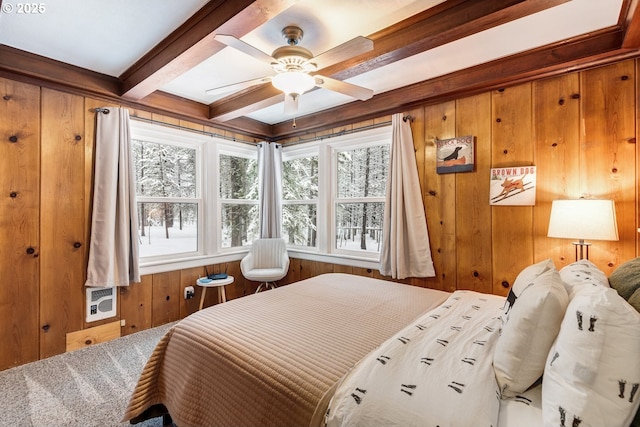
342, 350
269, 358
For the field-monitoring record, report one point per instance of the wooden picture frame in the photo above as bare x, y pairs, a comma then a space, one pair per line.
455, 154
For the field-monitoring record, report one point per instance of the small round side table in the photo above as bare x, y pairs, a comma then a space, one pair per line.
219, 283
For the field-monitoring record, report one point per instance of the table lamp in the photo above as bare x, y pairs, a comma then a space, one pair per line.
583, 219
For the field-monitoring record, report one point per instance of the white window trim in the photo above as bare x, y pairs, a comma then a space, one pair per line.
209, 147
181, 138
371, 138
210, 251
229, 149
298, 152
327, 150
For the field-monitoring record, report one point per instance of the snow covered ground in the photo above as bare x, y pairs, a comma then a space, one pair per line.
154, 242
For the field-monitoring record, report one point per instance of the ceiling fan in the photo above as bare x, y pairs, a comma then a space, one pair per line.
294, 64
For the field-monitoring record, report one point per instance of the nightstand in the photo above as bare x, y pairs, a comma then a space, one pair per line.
219, 283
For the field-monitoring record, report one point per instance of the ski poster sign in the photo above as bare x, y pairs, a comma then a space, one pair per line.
515, 186
454, 154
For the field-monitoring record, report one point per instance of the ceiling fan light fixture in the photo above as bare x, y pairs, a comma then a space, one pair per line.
293, 82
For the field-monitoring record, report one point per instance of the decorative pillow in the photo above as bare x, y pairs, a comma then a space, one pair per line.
533, 314
592, 374
626, 280
582, 273
525, 277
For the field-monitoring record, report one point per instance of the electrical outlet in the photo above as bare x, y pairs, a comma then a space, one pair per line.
189, 292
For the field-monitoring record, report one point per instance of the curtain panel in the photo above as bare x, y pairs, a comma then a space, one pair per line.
113, 250
270, 189
405, 239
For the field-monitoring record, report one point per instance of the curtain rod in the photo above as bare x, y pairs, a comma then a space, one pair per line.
339, 133
346, 132
201, 132
172, 125
229, 138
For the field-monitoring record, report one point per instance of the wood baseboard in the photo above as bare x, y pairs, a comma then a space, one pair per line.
91, 336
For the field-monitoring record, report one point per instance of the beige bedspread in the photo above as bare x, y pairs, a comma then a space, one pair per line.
268, 359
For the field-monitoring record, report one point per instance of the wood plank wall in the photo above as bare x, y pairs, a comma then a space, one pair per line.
578, 129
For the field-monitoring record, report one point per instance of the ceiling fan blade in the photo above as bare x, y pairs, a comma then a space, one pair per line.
355, 91
346, 50
238, 44
291, 104
237, 86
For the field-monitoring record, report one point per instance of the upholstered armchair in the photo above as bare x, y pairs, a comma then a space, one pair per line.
266, 262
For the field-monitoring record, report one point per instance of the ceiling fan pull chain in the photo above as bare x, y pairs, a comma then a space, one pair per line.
294, 122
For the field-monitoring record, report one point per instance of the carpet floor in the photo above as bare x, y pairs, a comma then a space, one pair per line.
87, 387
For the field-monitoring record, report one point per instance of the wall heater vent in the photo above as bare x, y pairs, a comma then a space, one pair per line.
101, 303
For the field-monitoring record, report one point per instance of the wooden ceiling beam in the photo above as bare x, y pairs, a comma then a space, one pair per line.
542, 62
442, 24
32, 67
193, 42
631, 21
433, 31
182, 108
245, 102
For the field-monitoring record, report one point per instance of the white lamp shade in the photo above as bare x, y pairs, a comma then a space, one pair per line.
293, 82
583, 219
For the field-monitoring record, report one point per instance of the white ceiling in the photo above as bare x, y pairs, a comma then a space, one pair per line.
109, 36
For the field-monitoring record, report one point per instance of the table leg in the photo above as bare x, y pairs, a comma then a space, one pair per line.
204, 292
222, 296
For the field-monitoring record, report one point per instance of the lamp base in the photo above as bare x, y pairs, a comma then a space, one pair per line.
584, 249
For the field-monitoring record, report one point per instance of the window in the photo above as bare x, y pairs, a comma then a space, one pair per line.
168, 189
300, 200
334, 194
238, 177
361, 176
197, 194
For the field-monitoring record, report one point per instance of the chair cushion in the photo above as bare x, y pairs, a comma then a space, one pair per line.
265, 274
267, 253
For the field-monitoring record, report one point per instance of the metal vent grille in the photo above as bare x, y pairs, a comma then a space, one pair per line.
101, 303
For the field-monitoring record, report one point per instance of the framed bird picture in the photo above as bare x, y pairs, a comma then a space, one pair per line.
455, 154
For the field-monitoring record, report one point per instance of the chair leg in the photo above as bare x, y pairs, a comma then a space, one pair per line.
266, 286
271, 285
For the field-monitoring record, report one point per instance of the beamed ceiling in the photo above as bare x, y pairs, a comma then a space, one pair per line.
162, 55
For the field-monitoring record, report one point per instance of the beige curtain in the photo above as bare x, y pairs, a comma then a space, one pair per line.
405, 239
270, 189
113, 251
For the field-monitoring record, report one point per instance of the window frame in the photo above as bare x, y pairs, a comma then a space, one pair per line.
299, 152
209, 146
370, 139
327, 149
237, 150
210, 249
154, 133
